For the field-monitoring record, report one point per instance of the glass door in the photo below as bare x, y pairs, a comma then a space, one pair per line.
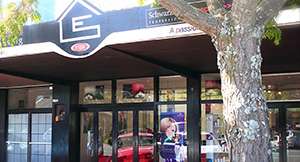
274, 132
41, 136
17, 143
96, 126
285, 131
126, 136
277, 115
121, 135
135, 136
146, 136
105, 140
87, 137
293, 134
33, 145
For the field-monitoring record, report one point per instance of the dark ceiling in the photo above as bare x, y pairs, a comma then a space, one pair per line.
188, 56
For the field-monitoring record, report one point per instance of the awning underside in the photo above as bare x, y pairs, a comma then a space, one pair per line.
188, 56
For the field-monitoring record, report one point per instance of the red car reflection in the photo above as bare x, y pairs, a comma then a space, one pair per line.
125, 148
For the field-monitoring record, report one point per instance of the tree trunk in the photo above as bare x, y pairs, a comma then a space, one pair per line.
245, 110
237, 36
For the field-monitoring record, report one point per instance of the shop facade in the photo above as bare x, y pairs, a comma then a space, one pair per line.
132, 84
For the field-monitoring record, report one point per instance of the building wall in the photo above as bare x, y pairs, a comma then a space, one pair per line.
3, 124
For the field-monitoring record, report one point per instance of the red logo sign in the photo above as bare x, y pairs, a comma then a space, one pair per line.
80, 47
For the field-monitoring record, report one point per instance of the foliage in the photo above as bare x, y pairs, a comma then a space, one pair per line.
13, 17
154, 4
272, 32
294, 2
141, 2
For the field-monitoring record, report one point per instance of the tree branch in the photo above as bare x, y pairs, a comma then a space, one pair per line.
15, 12
216, 7
17, 15
244, 11
267, 10
192, 15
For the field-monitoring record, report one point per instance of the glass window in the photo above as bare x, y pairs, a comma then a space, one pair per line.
211, 87
281, 86
213, 145
135, 90
172, 88
284, 86
95, 92
87, 136
40, 97
172, 132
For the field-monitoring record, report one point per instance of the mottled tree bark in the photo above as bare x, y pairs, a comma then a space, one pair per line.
237, 36
244, 106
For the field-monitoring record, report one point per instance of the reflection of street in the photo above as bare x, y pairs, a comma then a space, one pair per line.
293, 155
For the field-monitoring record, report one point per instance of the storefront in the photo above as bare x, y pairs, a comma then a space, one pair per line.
136, 87
282, 95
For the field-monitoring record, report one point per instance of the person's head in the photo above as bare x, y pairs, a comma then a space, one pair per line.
169, 126
121, 116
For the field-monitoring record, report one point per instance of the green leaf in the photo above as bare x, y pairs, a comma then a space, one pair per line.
294, 3
16, 15
154, 4
141, 2
272, 32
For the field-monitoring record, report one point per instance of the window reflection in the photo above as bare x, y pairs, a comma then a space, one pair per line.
128, 91
211, 87
86, 137
17, 144
293, 134
41, 137
281, 86
105, 137
146, 135
125, 136
275, 86
213, 144
274, 132
40, 97
95, 92
135, 90
172, 88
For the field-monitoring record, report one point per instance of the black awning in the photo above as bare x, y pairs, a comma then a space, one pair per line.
189, 56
